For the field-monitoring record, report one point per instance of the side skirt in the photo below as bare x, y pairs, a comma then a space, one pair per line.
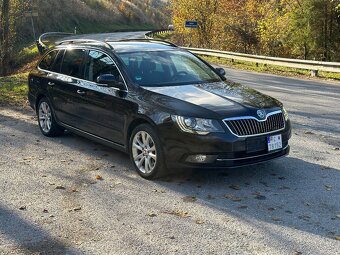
94, 138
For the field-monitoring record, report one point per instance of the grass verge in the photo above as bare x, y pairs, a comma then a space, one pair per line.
13, 89
279, 70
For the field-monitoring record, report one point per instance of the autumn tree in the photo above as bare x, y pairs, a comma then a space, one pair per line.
205, 12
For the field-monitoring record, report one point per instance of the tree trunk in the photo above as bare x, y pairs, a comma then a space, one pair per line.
4, 38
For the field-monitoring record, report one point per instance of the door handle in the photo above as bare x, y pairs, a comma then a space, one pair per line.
80, 92
51, 84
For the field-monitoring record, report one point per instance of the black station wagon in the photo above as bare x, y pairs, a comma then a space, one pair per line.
161, 104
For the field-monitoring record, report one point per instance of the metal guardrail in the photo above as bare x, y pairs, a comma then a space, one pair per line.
314, 66
151, 34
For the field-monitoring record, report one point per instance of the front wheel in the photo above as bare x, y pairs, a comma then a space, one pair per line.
47, 123
146, 152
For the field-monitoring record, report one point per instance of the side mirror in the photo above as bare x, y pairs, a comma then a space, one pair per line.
109, 80
220, 71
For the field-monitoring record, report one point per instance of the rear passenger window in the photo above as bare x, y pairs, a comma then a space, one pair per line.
57, 63
48, 60
72, 63
99, 63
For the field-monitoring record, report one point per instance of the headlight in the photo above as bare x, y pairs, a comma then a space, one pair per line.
285, 113
197, 125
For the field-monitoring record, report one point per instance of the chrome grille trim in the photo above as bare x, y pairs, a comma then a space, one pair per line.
245, 126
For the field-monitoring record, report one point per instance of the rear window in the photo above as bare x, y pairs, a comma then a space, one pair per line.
48, 60
72, 63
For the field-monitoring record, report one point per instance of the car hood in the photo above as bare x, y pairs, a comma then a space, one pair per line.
225, 98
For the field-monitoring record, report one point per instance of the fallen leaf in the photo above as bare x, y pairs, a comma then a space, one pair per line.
242, 207
328, 187
260, 197
284, 187
199, 222
276, 219
179, 213
210, 197
77, 208
98, 177
256, 193
190, 199
304, 217
264, 184
236, 199
232, 198
235, 187
152, 214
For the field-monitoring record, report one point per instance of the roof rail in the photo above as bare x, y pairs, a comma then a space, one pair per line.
73, 41
42, 47
144, 40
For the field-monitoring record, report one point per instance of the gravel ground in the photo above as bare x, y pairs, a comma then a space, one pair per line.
51, 201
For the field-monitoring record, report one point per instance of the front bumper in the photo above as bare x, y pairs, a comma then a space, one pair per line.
224, 150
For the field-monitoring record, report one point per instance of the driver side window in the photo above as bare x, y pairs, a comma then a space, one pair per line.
99, 63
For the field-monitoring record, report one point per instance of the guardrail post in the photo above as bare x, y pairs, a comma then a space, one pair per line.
314, 73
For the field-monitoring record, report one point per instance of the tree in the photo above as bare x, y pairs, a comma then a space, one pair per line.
4, 37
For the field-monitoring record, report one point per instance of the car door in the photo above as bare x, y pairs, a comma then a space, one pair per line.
103, 110
65, 89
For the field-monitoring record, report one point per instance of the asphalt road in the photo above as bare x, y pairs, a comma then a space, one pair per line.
111, 36
52, 203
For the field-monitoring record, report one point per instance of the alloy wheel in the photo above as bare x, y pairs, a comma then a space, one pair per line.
45, 117
144, 152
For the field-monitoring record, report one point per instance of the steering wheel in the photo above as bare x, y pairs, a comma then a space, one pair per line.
178, 75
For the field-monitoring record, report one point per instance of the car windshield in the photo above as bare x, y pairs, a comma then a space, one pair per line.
167, 68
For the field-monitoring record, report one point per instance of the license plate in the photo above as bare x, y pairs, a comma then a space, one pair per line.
274, 142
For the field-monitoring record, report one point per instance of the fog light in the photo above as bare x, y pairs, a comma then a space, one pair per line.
200, 158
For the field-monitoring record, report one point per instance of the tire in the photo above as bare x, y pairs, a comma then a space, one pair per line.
146, 152
46, 121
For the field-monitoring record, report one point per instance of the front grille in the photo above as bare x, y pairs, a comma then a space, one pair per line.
250, 126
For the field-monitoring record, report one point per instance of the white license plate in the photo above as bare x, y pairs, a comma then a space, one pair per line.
274, 142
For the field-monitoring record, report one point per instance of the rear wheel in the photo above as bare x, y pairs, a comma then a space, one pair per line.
47, 124
146, 153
